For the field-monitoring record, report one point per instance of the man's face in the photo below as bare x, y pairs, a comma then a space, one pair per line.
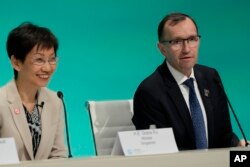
180, 53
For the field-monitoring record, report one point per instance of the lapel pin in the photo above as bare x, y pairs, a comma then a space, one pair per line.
206, 92
17, 111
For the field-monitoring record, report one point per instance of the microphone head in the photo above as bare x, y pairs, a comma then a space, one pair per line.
40, 105
60, 94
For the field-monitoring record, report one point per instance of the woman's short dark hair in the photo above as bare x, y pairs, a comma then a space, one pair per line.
23, 38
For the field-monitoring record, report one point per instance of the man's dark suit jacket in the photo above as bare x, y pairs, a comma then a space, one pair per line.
158, 101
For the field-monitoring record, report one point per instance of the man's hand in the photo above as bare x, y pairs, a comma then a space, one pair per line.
242, 143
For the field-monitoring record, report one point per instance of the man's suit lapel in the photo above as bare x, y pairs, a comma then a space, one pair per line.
205, 95
19, 117
178, 99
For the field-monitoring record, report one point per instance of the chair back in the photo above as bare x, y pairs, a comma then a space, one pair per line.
107, 118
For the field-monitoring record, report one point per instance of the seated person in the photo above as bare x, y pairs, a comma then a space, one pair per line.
30, 112
182, 94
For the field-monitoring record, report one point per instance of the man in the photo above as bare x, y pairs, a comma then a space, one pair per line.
199, 114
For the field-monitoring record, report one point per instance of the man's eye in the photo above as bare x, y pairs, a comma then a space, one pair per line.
192, 39
177, 41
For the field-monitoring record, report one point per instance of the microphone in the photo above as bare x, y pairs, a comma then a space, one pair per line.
40, 112
234, 114
40, 105
60, 95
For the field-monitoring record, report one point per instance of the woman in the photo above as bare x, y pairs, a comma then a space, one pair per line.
30, 112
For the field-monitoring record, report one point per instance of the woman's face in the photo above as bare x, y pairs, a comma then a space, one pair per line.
38, 67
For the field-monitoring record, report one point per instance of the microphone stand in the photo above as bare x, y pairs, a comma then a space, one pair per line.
234, 114
60, 95
238, 122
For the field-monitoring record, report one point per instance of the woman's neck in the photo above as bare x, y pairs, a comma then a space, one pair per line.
28, 94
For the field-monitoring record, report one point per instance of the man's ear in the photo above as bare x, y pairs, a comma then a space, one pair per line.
162, 48
16, 64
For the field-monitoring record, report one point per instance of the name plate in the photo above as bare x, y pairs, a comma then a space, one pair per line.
145, 142
8, 152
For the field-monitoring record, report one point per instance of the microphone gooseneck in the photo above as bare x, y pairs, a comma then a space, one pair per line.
60, 95
234, 114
